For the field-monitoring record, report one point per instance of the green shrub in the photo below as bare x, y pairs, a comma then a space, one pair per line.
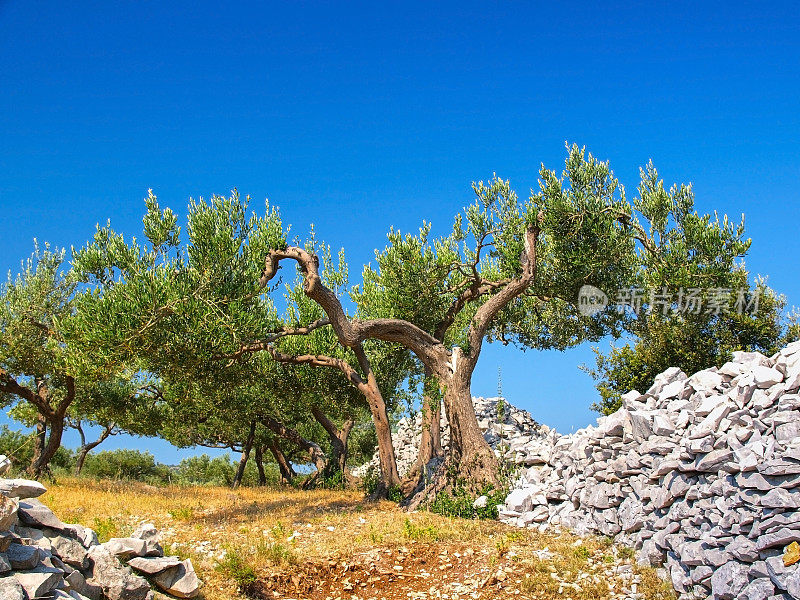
106, 528
220, 471
204, 470
126, 464
412, 531
334, 481
182, 513
394, 494
501, 410
17, 446
361, 444
63, 460
276, 552
582, 552
234, 566
459, 502
370, 481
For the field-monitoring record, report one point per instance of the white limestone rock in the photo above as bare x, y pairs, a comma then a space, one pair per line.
519, 500
10, 589
701, 473
729, 580
671, 390
766, 377
116, 581
758, 589
40, 581
154, 565
706, 380
21, 488
8, 512
662, 425
33, 513
22, 557
180, 581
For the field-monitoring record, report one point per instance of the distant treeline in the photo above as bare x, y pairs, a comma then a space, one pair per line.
135, 465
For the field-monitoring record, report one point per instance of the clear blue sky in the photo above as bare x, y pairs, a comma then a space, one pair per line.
356, 116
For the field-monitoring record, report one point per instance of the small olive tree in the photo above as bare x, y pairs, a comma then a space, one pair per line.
35, 366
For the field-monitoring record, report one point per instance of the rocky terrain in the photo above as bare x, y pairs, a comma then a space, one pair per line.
41, 557
700, 474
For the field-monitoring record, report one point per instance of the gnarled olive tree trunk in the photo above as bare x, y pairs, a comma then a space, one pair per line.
245, 456
430, 443
45, 451
284, 465
469, 455
476, 460
49, 417
316, 454
87, 447
262, 474
367, 384
337, 462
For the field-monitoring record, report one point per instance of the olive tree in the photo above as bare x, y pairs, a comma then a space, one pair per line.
128, 404
375, 369
511, 270
35, 308
194, 312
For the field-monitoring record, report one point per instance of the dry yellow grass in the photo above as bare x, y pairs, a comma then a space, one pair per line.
283, 530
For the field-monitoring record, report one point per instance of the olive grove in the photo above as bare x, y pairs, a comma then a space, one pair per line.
234, 334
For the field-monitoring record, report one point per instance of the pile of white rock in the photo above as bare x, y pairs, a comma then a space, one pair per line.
41, 557
701, 474
511, 432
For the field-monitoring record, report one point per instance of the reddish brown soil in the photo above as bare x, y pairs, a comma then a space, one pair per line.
417, 571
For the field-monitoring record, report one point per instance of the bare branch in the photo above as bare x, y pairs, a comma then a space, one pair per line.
39, 325
351, 333
315, 451
478, 288
10, 385
263, 344
323, 420
154, 392
65, 403
484, 315
107, 431
320, 360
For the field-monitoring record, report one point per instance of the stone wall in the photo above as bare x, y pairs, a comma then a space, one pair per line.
700, 474
41, 557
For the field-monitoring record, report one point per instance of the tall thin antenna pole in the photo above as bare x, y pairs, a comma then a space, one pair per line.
499, 381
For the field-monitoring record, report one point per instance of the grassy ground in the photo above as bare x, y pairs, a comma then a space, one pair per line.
321, 544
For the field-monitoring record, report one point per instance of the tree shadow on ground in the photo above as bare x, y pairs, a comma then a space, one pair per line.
298, 510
